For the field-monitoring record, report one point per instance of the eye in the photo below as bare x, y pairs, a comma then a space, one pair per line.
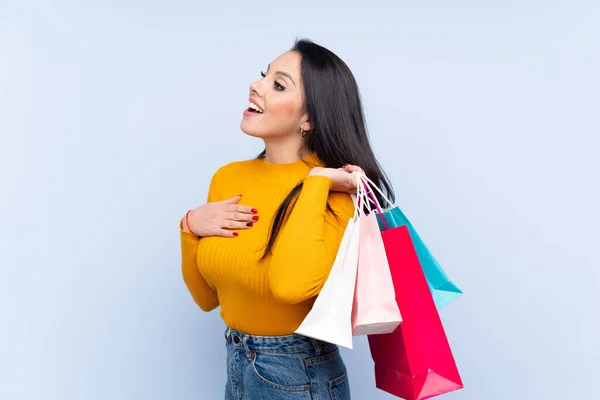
278, 86
262, 74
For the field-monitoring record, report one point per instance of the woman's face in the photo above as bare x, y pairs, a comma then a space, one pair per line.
276, 107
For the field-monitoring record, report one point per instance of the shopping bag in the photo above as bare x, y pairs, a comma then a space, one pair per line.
443, 290
415, 361
330, 318
375, 310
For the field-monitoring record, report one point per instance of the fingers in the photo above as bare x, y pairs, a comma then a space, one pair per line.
353, 168
225, 233
237, 208
237, 218
242, 217
233, 200
237, 224
230, 228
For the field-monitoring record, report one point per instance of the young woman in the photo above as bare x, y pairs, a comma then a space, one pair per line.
263, 245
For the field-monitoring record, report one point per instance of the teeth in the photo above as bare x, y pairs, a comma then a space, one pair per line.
255, 107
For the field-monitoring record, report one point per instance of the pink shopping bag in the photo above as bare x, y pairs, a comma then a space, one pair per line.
375, 310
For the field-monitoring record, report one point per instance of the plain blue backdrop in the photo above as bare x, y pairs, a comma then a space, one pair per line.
115, 114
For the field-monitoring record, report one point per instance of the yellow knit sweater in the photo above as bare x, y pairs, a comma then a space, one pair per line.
272, 296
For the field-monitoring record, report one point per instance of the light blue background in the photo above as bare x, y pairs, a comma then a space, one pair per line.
114, 115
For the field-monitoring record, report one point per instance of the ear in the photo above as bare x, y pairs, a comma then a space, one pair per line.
306, 125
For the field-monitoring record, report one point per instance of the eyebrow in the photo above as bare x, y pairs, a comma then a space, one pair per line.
282, 73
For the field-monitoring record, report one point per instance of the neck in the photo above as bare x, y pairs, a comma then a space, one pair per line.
280, 152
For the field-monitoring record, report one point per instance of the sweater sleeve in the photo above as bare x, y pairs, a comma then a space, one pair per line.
308, 242
205, 296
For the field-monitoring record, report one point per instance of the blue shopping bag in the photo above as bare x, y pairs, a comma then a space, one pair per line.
443, 290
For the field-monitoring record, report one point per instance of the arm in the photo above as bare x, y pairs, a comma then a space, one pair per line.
201, 292
308, 242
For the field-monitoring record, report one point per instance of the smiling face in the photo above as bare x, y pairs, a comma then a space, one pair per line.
276, 108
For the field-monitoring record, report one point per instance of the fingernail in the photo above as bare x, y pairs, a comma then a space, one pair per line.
235, 234
254, 211
239, 194
249, 224
255, 218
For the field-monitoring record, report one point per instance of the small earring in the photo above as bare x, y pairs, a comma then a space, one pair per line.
302, 132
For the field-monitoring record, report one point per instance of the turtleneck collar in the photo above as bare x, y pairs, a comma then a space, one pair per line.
280, 173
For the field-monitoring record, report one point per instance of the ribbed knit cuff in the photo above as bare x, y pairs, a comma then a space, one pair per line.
187, 237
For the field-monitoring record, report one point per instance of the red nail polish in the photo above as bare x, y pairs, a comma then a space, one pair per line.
235, 234
249, 224
255, 218
254, 211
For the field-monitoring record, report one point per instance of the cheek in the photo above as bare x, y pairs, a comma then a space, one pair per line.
288, 108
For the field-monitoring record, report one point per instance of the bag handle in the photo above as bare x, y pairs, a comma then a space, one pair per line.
374, 200
373, 185
363, 196
363, 201
366, 190
362, 190
356, 198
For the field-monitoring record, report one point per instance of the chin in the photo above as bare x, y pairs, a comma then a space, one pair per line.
250, 131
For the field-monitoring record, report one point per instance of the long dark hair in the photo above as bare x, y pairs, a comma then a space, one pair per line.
339, 134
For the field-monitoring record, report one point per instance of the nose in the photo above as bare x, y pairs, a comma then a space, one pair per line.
254, 87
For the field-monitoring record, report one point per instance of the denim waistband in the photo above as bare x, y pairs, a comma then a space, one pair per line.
294, 343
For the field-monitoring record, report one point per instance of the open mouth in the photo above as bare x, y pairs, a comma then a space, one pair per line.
254, 108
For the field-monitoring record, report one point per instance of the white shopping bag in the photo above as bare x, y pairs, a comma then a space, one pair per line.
330, 318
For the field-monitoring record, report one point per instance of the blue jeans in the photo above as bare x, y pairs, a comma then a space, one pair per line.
283, 367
